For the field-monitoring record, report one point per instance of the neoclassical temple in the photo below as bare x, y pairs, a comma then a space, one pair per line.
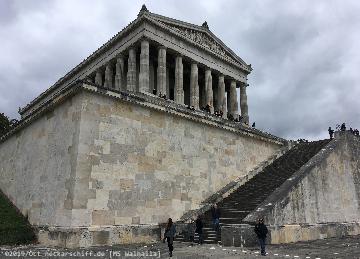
146, 128
179, 61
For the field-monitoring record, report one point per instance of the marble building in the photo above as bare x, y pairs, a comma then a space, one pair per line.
147, 127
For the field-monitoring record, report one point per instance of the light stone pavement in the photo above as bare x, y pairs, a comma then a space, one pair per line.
347, 247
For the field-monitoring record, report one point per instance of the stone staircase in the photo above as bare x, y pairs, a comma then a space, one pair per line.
249, 196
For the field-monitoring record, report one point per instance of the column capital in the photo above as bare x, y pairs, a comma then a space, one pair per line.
144, 41
161, 47
242, 84
119, 55
132, 46
221, 76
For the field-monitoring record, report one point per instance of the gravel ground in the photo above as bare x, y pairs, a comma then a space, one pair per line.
347, 247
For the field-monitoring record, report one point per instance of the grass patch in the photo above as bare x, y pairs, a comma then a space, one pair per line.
14, 227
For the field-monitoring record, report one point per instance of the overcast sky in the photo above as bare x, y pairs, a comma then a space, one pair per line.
305, 54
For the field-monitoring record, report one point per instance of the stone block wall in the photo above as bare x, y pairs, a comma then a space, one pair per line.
243, 235
329, 191
141, 166
96, 160
38, 165
321, 200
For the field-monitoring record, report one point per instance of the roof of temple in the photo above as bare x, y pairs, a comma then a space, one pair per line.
198, 35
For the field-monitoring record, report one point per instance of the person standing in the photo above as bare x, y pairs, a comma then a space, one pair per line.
331, 132
169, 235
343, 127
199, 229
215, 213
261, 232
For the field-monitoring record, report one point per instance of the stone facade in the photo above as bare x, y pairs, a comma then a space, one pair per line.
100, 158
243, 235
321, 200
327, 189
39, 166
330, 192
141, 166
97, 236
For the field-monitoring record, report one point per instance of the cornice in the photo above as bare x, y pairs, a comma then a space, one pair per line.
149, 101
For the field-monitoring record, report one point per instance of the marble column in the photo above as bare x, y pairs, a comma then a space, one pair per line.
208, 90
224, 108
98, 78
228, 103
202, 98
167, 83
233, 100
215, 93
131, 74
194, 86
119, 74
221, 101
161, 71
179, 80
144, 75
108, 82
152, 77
243, 104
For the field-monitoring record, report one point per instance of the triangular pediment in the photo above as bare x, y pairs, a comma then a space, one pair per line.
202, 36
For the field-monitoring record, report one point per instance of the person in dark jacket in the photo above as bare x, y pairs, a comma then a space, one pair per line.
199, 229
343, 127
331, 132
169, 235
261, 232
215, 213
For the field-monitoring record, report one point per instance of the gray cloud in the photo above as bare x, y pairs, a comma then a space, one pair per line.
305, 54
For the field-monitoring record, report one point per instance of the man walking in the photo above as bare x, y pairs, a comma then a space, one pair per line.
261, 232
215, 213
199, 229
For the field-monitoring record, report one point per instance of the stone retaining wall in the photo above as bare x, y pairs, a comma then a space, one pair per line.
97, 236
96, 158
326, 189
243, 235
141, 166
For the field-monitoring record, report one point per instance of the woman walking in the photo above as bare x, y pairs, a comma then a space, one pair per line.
169, 235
